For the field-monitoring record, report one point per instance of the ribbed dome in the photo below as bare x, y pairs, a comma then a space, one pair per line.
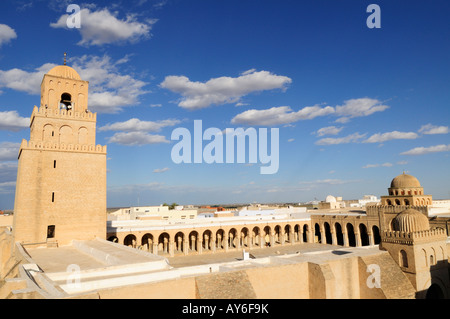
405, 181
65, 71
411, 220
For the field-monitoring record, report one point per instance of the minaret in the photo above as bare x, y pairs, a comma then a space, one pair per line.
61, 177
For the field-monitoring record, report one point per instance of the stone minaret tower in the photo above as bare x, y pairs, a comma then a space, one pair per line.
61, 177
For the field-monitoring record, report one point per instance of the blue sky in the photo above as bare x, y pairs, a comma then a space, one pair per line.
355, 106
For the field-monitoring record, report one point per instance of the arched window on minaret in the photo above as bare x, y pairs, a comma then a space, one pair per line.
66, 101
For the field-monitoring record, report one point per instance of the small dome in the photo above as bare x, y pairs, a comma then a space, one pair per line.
405, 181
330, 199
411, 220
64, 71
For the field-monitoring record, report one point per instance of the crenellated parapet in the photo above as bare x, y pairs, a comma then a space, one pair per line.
32, 145
409, 238
64, 114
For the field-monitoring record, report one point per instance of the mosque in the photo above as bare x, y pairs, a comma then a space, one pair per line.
60, 245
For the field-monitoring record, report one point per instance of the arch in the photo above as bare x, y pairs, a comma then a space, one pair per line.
328, 238
113, 239
51, 98
244, 238
163, 243
376, 235
287, 233
406, 202
363, 235
65, 134
220, 236
266, 234
66, 101
403, 259
317, 235
425, 259
48, 133
432, 257
130, 240
434, 292
389, 202
193, 240
256, 234
179, 242
397, 202
351, 235
147, 241
82, 135
207, 240
232, 234
305, 233
277, 234
339, 234
297, 233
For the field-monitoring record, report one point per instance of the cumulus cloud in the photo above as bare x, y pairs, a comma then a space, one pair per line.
161, 170
25, 81
12, 121
280, 115
285, 115
427, 150
136, 125
433, 129
329, 130
358, 108
222, 90
9, 151
395, 135
6, 34
136, 138
109, 89
103, 27
352, 138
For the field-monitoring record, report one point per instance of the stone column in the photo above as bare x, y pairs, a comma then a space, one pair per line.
261, 241
300, 235
186, 247
292, 237
200, 245
333, 238
358, 239
345, 235
155, 248
225, 242
171, 248
323, 238
371, 239
213, 245
193, 242
272, 239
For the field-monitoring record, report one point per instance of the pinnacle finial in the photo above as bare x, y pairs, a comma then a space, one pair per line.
65, 55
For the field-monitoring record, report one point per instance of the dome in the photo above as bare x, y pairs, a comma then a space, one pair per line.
64, 71
330, 199
411, 220
405, 181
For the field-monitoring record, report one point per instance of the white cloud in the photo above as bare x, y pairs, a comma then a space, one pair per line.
12, 121
433, 129
109, 89
24, 81
394, 135
136, 138
222, 90
352, 138
6, 34
357, 108
161, 170
427, 150
329, 130
103, 27
9, 151
291, 140
136, 125
280, 115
